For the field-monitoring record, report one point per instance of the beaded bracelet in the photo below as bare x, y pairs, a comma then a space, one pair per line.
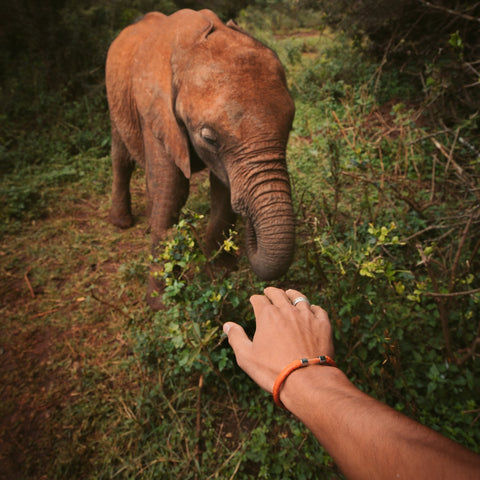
304, 362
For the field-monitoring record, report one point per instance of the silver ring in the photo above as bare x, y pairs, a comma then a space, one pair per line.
300, 299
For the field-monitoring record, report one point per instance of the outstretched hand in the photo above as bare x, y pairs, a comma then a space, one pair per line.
366, 438
284, 333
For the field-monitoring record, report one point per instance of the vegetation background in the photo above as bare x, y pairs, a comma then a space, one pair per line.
385, 166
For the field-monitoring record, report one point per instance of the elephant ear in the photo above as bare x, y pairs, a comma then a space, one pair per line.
235, 26
191, 28
176, 144
172, 136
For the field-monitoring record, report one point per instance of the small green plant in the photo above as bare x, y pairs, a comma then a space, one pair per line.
195, 295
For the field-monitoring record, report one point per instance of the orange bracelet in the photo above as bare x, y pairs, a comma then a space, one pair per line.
304, 362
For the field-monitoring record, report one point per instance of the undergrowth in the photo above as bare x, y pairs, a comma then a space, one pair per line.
387, 204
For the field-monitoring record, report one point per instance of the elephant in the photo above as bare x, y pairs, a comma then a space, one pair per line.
187, 92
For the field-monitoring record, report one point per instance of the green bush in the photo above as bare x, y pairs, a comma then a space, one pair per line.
184, 344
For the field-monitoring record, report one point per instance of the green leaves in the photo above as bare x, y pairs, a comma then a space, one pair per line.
456, 41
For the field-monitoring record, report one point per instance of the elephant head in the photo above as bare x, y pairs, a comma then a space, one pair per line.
232, 99
187, 91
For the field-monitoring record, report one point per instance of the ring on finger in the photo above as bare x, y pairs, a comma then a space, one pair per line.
300, 299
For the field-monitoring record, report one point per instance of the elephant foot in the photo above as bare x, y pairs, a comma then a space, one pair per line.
155, 302
154, 294
226, 261
123, 221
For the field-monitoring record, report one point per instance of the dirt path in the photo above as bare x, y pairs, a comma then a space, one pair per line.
61, 309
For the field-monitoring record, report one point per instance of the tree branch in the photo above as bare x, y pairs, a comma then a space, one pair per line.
451, 294
439, 300
471, 351
449, 11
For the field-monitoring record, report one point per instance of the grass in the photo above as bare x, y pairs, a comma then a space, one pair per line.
95, 385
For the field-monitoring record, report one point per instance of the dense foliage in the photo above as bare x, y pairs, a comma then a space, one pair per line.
433, 44
385, 172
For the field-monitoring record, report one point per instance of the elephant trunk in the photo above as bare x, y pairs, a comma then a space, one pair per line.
270, 241
270, 234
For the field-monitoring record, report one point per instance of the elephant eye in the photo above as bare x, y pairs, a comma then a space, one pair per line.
209, 136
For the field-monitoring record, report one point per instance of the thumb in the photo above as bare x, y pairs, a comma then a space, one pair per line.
237, 338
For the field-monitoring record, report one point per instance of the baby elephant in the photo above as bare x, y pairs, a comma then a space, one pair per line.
186, 92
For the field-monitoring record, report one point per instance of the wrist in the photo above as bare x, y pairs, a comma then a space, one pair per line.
305, 386
295, 365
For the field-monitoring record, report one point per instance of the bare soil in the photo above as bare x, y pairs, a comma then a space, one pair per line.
60, 302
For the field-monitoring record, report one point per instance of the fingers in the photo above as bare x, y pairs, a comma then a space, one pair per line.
298, 299
293, 294
277, 296
237, 338
320, 313
259, 302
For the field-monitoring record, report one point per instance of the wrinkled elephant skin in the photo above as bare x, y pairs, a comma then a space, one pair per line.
185, 92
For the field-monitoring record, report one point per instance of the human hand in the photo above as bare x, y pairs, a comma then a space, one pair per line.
284, 333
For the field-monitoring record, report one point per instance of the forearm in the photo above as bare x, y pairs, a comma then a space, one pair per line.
367, 439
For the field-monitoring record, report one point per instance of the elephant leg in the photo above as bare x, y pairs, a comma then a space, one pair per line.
167, 190
123, 165
222, 219
166, 198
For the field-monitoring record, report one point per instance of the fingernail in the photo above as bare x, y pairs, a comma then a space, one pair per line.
226, 328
